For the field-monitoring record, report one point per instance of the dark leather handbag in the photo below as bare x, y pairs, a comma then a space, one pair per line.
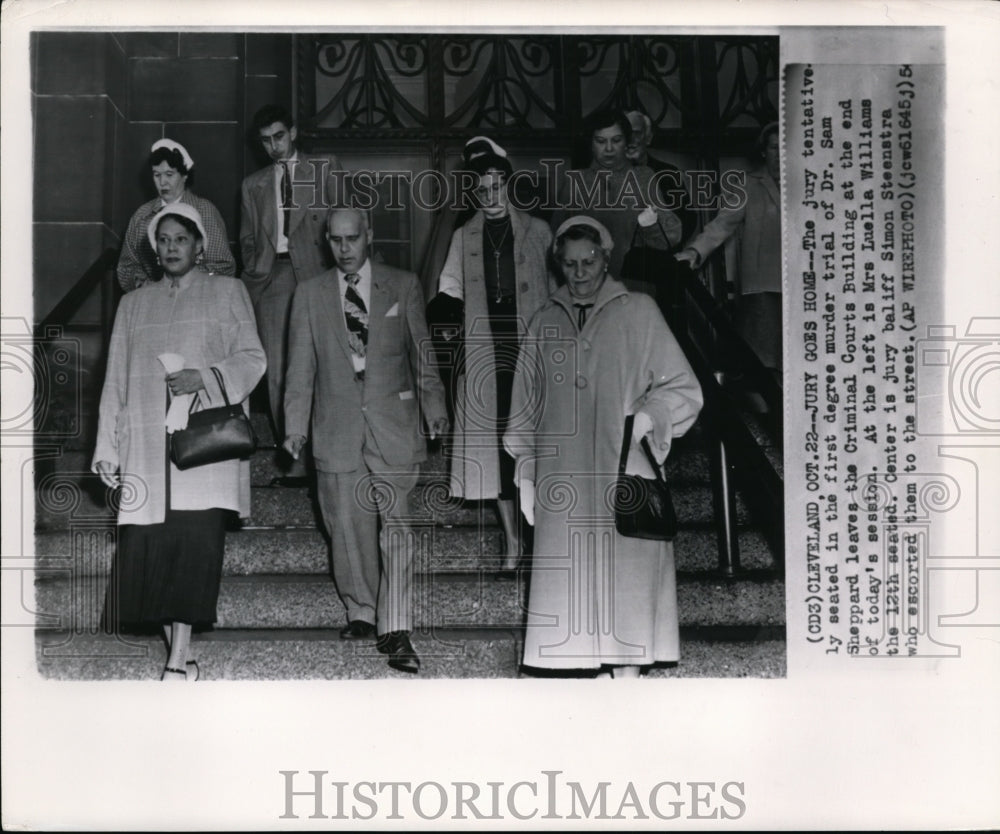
643, 508
213, 434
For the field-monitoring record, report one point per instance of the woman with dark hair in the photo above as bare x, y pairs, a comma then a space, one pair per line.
755, 227
497, 265
171, 165
620, 196
170, 338
594, 355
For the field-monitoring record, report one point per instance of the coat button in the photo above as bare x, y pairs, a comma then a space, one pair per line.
520, 260
581, 381
585, 344
524, 284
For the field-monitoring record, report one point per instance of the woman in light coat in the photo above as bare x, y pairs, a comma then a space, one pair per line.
755, 225
497, 265
593, 355
168, 565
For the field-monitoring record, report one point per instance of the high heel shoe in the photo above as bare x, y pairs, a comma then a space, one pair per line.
170, 674
192, 667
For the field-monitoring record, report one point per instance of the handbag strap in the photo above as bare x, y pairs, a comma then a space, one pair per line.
222, 387
626, 441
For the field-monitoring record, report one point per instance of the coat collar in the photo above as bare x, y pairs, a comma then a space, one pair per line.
609, 292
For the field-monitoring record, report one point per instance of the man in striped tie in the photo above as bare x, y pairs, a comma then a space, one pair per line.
360, 365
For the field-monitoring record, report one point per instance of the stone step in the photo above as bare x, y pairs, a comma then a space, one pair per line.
431, 502
440, 600
62, 505
687, 465
322, 655
88, 551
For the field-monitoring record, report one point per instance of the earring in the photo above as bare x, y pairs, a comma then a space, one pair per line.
199, 258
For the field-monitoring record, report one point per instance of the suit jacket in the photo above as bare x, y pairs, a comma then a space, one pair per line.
312, 193
399, 385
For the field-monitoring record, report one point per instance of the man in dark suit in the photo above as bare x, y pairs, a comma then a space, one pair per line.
357, 364
282, 242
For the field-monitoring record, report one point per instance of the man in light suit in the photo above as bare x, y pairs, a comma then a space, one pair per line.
355, 363
282, 242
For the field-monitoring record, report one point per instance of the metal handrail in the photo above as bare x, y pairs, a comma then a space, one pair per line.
738, 352
731, 436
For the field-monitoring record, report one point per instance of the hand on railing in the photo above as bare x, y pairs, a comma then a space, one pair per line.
688, 256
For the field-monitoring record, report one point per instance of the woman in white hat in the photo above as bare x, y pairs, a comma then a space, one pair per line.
171, 165
594, 355
497, 265
169, 339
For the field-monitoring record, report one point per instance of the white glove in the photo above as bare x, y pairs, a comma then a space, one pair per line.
641, 426
177, 414
647, 217
528, 500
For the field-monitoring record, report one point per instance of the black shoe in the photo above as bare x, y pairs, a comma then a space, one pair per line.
357, 630
292, 481
397, 645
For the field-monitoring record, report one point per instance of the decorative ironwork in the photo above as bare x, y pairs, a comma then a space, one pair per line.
434, 90
751, 68
375, 74
511, 73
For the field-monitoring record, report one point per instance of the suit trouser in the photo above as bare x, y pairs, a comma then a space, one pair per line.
273, 311
373, 569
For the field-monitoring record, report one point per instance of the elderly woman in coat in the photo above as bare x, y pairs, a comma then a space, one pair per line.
497, 264
168, 337
592, 356
172, 167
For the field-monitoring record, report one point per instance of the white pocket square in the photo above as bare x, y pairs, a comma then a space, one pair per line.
393, 310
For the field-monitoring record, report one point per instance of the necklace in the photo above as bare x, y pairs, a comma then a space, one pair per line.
496, 252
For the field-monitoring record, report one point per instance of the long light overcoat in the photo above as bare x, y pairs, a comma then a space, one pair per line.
595, 596
208, 321
475, 465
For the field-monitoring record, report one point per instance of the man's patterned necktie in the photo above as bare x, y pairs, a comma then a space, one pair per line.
356, 316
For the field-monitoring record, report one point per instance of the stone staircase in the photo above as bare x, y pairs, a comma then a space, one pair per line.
279, 614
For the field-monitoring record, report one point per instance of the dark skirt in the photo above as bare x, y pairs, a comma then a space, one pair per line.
503, 323
167, 572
